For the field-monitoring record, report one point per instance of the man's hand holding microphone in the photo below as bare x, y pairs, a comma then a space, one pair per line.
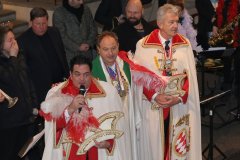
78, 102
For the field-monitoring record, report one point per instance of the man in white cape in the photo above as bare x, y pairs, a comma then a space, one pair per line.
111, 68
89, 126
170, 127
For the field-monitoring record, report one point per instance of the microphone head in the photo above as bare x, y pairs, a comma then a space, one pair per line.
82, 90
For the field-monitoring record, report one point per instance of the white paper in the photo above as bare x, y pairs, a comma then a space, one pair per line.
30, 143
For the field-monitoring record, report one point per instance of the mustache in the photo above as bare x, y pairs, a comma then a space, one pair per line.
134, 21
132, 18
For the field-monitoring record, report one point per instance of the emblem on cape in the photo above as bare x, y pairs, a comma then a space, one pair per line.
181, 143
181, 137
174, 87
107, 130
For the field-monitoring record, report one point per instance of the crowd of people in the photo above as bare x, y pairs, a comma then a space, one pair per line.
128, 93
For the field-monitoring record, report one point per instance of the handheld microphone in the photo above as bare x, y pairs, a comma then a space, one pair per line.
82, 91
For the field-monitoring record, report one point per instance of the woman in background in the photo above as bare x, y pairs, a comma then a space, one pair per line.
15, 122
185, 26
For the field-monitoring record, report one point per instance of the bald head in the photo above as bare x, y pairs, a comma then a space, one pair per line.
134, 11
134, 3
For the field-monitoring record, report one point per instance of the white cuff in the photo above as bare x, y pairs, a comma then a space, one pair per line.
154, 96
66, 115
180, 98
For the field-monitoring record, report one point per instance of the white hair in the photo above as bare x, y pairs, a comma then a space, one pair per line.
167, 8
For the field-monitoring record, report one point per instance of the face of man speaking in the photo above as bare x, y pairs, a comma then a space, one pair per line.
81, 75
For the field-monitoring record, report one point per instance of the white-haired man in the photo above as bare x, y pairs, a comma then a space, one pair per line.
171, 119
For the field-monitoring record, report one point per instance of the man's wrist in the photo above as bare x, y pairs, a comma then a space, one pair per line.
70, 110
179, 99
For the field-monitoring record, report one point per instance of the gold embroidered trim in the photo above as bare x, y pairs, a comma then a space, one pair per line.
182, 120
99, 133
57, 145
146, 44
96, 95
174, 86
110, 153
67, 149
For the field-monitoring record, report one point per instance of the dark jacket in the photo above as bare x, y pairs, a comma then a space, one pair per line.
106, 10
15, 82
128, 35
74, 33
38, 64
205, 14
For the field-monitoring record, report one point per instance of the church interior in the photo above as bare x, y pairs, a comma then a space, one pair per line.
220, 109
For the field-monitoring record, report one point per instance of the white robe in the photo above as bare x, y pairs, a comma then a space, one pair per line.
151, 132
101, 105
130, 110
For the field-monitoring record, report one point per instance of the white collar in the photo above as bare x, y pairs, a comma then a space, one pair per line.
163, 40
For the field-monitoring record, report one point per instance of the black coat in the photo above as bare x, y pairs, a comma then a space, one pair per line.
205, 14
106, 10
15, 81
128, 35
38, 64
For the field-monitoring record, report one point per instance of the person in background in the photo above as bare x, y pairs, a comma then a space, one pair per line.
134, 28
44, 53
111, 13
15, 122
77, 27
169, 116
71, 115
226, 12
186, 27
161, 2
206, 16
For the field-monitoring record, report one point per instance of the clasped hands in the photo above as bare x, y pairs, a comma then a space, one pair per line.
84, 47
164, 100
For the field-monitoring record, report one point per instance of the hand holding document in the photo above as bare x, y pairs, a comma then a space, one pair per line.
30, 143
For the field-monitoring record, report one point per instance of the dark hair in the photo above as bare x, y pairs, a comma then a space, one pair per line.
179, 3
3, 31
80, 59
105, 34
38, 12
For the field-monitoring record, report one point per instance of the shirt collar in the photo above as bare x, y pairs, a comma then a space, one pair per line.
163, 40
